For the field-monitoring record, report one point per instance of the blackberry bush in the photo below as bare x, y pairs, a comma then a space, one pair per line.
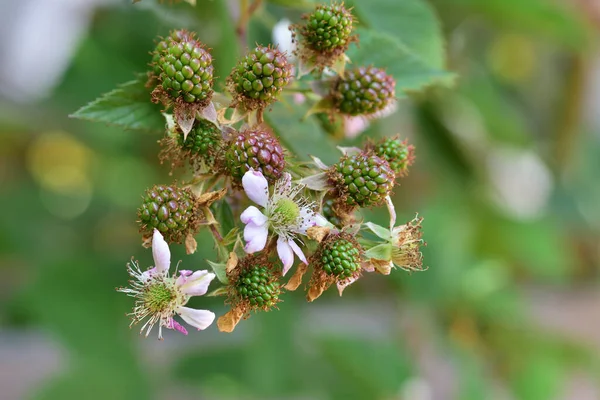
254, 148
259, 78
363, 179
169, 209
363, 91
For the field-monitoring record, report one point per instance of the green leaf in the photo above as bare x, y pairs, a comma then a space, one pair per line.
411, 72
129, 106
220, 270
411, 22
224, 215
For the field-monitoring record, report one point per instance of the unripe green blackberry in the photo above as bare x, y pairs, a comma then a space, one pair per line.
328, 29
362, 179
339, 257
258, 285
169, 209
184, 68
203, 141
259, 77
363, 91
257, 149
399, 154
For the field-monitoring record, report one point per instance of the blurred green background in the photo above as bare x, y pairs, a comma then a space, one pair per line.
506, 177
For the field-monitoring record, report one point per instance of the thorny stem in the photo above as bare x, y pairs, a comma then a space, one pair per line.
216, 233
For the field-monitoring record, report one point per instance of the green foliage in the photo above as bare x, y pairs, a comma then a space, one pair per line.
128, 107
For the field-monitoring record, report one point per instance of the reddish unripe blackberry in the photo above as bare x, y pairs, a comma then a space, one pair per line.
363, 91
259, 77
169, 209
328, 29
184, 68
398, 153
258, 286
257, 149
362, 179
203, 141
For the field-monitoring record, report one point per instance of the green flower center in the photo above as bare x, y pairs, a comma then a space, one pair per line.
286, 212
158, 296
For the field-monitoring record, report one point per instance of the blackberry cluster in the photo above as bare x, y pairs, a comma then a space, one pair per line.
258, 286
259, 77
184, 68
257, 149
169, 209
363, 179
363, 91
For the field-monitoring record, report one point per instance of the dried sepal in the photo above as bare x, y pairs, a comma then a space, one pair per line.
296, 279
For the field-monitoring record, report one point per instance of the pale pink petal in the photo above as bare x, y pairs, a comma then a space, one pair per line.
320, 220
146, 275
256, 187
285, 183
285, 253
161, 253
309, 219
253, 214
354, 126
298, 251
255, 237
199, 319
196, 284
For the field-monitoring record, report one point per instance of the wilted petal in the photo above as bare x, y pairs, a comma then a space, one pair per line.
255, 237
196, 284
285, 253
172, 324
298, 251
161, 253
199, 319
253, 215
256, 187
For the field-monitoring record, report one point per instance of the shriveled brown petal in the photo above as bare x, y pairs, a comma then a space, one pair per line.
228, 322
318, 233
206, 199
382, 266
232, 262
190, 244
314, 292
296, 279
147, 241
